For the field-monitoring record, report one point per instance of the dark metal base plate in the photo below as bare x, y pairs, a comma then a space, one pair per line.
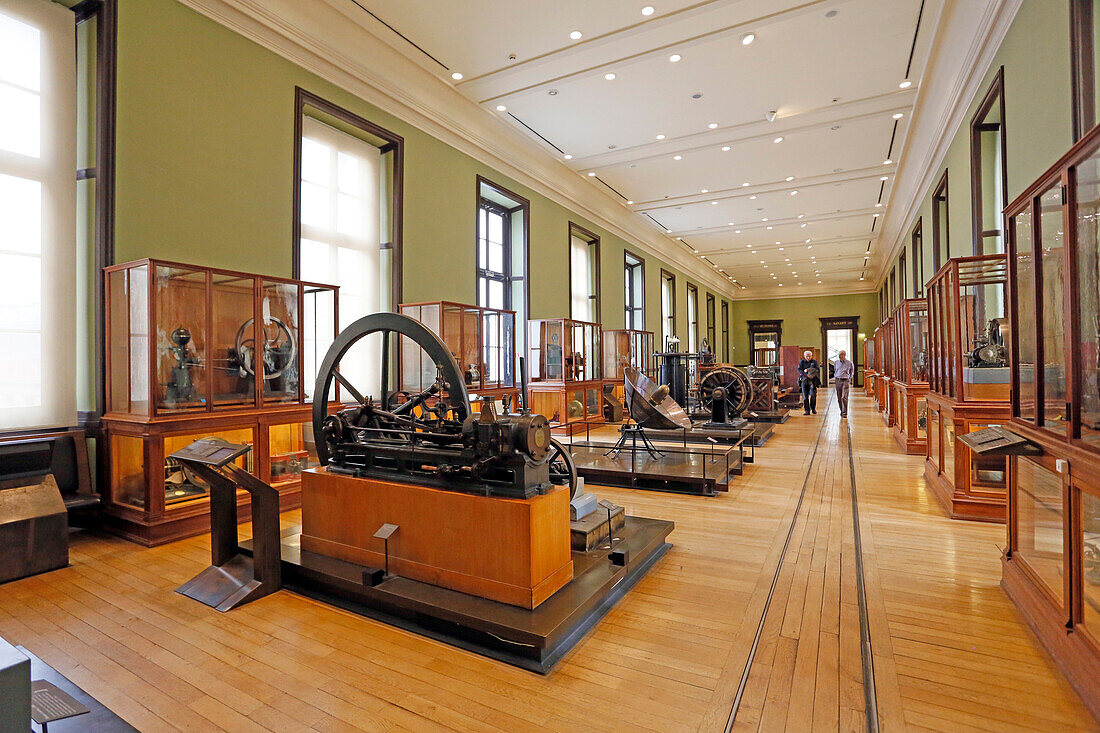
532, 639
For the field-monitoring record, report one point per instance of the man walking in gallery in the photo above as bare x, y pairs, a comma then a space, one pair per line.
809, 379
843, 373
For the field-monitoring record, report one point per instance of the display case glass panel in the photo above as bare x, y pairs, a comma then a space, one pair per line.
1086, 193
948, 468
318, 332
564, 350
232, 303
1055, 405
990, 473
482, 341
180, 340
180, 483
1090, 564
128, 470
934, 437
922, 417
128, 342
292, 450
626, 347
1039, 518
277, 349
918, 341
1024, 295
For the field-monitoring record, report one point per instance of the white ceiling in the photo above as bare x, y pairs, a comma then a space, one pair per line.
830, 70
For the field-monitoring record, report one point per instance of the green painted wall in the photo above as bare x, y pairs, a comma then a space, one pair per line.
1035, 55
205, 154
800, 316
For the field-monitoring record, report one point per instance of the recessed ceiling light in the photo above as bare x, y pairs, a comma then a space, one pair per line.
898, 116
753, 251
876, 216
591, 174
765, 219
790, 178
861, 278
761, 262
831, 13
567, 156
737, 231
456, 75
725, 148
780, 247
885, 178
780, 284
647, 10
695, 251
808, 241
778, 139
747, 39
610, 76
878, 204
744, 184
801, 215
501, 108
704, 190
729, 223
679, 239
905, 84
819, 282
675, 57
677, 157
794, 193
552, 92
629, 203
887, 162
769, 228
575, 35
713, 203
753, 198
712, 125
803, 226
660, 136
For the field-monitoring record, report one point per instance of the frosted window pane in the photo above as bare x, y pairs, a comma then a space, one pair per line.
496, 228
20, 121
21, 370
349, 216
315, 206
481, 253
20, 54
315, 262
20, 293
21, 214
496, 257
316, 161
347, 171
496, 294
349, 265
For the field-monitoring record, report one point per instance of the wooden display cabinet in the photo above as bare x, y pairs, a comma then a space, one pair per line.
968, 384
184, 346
879, 337
565, 358
869, 372
1051, 568
483, 342
887, 408
623, 348
910, 384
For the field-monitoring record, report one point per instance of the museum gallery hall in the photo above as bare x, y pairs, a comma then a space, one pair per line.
424, 365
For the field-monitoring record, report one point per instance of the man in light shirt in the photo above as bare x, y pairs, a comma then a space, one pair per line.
843, 372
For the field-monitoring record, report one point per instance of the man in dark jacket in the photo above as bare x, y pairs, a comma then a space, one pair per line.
809, 379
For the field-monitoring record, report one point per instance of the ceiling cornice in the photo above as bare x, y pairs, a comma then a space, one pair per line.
967, 36
332, 39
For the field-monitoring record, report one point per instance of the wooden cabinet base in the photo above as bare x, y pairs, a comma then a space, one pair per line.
961, 506
513, 551
1075, 654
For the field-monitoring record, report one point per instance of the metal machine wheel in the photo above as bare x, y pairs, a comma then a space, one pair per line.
562, 469
729, 384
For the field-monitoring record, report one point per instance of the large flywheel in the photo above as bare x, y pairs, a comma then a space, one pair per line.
726, 383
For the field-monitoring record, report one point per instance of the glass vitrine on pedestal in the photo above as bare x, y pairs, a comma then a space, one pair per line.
194, 352
886, 377
624, 348
1051, 568
869, 372
879, 338
910, 383
483, 342
566, 376
968, 386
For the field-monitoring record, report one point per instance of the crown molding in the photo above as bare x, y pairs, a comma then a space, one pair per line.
967, 37
330, 39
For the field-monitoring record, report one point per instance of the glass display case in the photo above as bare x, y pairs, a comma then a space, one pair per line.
968, 383
483, 342
195, 352
869, 372
565, 361
879, 338
1051, 568
623, 348
888, 343
910, 383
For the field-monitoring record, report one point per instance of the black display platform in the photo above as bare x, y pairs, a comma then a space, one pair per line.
532, 639
762, 433
694, 471
777, 417
98, 718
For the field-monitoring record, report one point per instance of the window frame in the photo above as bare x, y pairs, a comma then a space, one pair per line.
712, 327
668, 319
941, 233
917, 245
726, 331
633, 302
576, 230
994, 95
693, 317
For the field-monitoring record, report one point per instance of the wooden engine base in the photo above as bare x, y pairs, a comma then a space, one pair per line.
508, 550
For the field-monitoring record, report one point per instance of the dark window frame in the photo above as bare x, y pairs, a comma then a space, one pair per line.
668, 277
633, 303
712, 327
576, 230
726, 331
767, 326
994, 95
903, 284
941, 226
504, 276
1082, 66
522, 207
917, 245
693, 318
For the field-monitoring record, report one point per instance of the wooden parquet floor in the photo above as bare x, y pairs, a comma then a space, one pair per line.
950, 652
